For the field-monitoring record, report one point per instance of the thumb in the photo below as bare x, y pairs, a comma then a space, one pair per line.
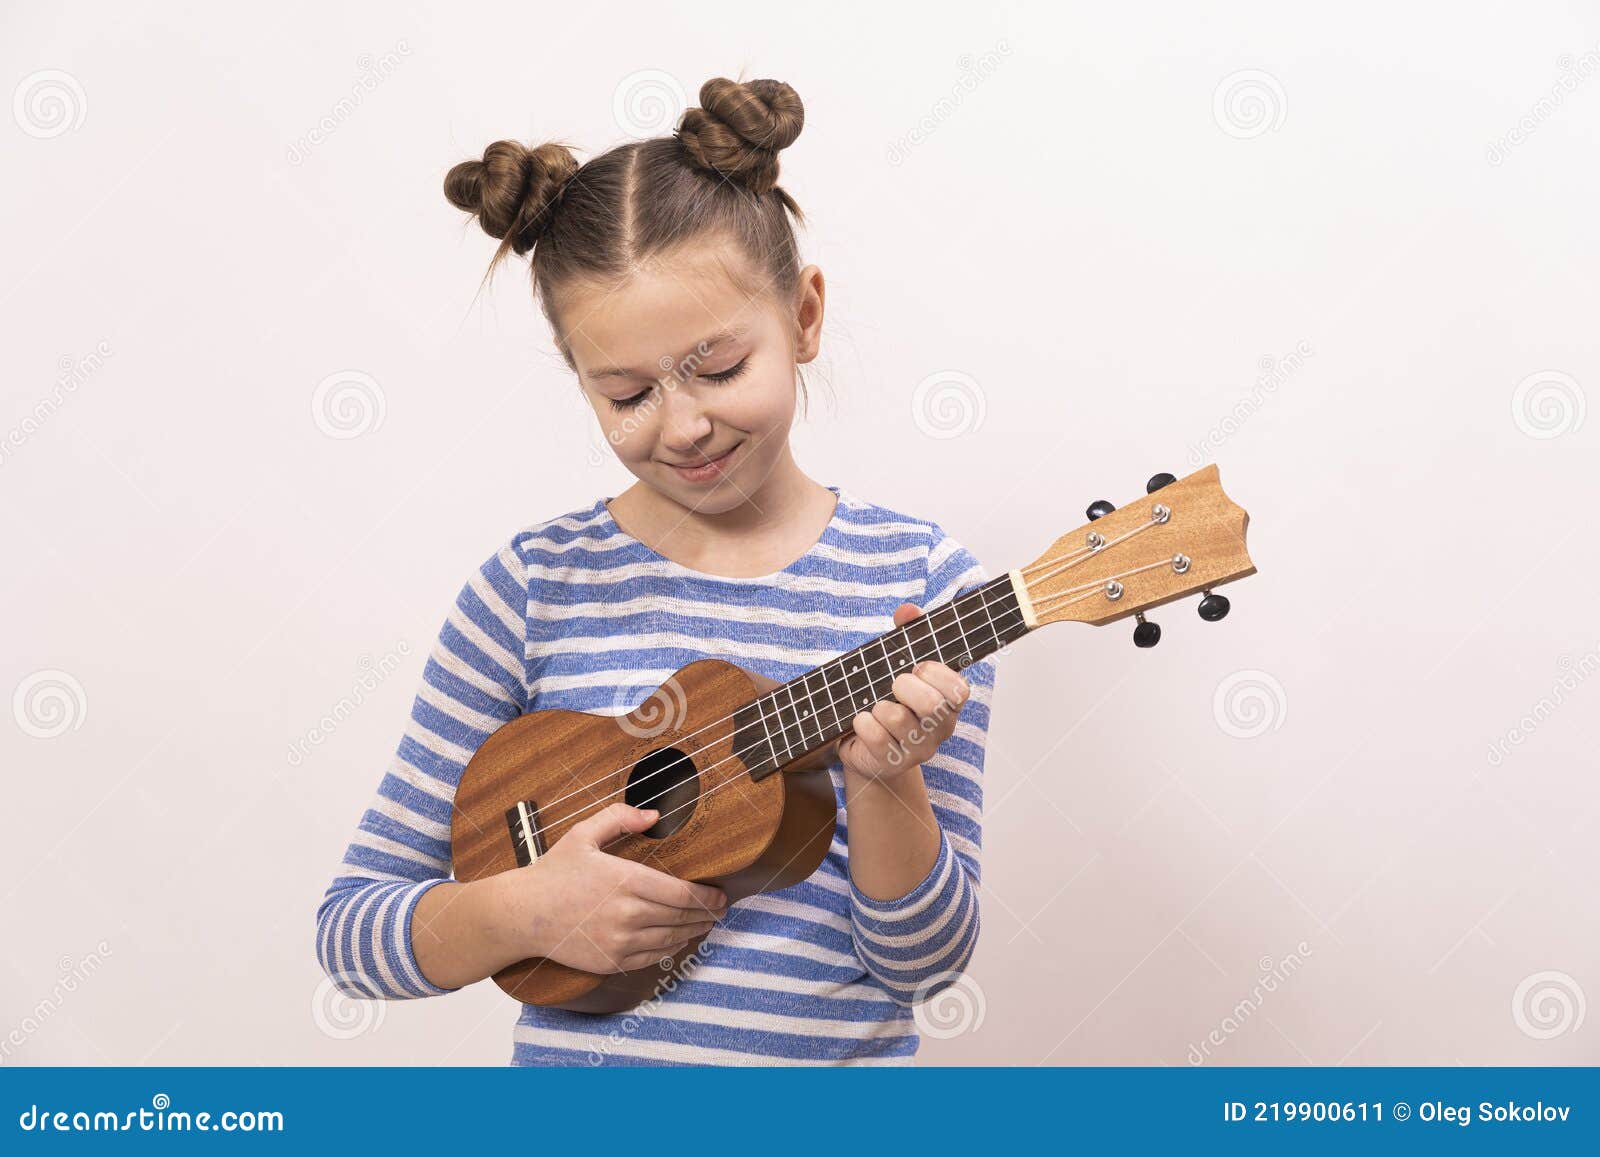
905, 612
618, 819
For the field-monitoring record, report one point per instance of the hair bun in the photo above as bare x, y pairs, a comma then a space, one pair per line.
740, 128
513, 190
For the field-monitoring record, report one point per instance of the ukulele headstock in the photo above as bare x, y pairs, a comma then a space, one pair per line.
1184, 536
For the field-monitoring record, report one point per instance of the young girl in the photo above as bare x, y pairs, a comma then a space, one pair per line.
669, 273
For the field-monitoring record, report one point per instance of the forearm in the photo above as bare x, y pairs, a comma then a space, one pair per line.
913, 909
461, 933
894, 835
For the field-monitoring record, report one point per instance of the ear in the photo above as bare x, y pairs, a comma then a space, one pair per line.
809, 297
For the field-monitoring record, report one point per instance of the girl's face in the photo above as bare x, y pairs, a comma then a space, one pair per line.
692, 379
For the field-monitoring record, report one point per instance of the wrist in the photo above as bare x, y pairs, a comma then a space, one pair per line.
508, 915
858, 783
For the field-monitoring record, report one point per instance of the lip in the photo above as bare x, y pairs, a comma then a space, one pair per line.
707, 471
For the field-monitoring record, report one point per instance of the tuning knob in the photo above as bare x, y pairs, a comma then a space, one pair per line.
1099, 508
1157, 481
1214, 607
1146, 634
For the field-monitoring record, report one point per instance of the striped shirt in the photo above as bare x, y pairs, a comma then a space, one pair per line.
575, 613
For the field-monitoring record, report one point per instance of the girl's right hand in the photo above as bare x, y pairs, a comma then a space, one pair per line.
584, 907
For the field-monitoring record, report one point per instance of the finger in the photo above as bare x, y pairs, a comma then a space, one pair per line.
897, 719
664, 916
921, 697
945, 681
660, 888
650, 959
905, 612
873, 736
611, 823
656, 939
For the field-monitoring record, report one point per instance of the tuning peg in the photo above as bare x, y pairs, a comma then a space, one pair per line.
1099, 508
1157, 481
1214, 607
1146, 634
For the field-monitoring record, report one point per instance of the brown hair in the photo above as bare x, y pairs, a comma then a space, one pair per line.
715, 176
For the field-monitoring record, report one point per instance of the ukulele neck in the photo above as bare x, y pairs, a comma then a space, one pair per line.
813, 710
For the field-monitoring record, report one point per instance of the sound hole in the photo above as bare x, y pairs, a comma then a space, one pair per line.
664, 779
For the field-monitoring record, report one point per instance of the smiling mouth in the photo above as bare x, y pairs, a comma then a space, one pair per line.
704, 462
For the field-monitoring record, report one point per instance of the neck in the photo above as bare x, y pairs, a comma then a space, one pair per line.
812, 711
781, 496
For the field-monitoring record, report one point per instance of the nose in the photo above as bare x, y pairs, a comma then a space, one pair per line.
685, 426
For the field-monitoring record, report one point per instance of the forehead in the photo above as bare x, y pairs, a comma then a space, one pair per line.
661, 310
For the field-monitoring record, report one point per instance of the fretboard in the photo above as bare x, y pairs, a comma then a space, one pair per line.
818, 707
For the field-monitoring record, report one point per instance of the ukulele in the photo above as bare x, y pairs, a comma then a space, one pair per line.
738, 764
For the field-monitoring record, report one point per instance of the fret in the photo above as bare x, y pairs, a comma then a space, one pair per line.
940, 629
989, 618
888, 663
933, 637
788, 723
857, 683
904, 645
761, 706
805, 718
966, 647
823, 726
820, 705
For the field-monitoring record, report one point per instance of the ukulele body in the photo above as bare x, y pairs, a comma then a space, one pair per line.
546, 771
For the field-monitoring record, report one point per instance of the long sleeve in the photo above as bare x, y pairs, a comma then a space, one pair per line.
917, 944
474, 681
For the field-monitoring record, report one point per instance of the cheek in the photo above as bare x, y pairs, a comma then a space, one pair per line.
629, 433
767, 407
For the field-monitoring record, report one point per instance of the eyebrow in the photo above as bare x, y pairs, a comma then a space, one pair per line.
708, 343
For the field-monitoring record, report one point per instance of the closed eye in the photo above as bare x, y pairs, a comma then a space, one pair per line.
730, 373
726, 375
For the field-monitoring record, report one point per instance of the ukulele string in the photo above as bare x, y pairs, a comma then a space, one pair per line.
701, 797
1071, 559
596, 804
1083, 552
1062, 598
1048, 565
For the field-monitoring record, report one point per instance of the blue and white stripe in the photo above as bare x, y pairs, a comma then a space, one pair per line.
575, 613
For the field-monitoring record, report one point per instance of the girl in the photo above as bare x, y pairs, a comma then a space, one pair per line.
669, 273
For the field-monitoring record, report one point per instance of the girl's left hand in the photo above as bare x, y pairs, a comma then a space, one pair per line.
895, 736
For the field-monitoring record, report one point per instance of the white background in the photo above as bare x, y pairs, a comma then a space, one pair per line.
1073, 206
